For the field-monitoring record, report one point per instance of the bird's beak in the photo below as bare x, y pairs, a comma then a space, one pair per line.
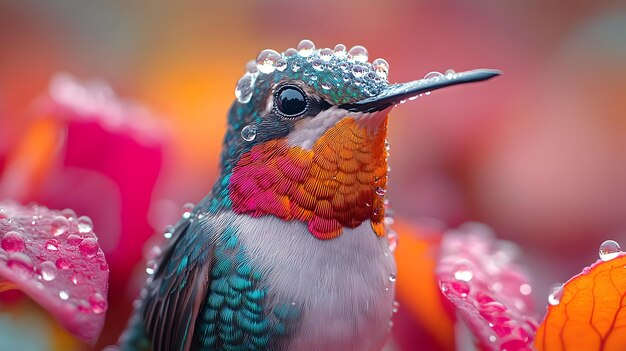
395, 93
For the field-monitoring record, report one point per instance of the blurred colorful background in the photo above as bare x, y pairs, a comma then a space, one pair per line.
539, 154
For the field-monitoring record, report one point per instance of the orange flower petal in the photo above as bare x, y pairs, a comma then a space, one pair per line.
590, 314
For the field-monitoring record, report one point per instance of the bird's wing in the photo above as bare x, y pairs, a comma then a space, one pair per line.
178, 289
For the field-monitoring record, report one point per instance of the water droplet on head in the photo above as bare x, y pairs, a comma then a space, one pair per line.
151, 267
12, 242
326, 54
392, 277
290, 52
381, 67
463, 270
59, 225
609, 250
340, 51
358, 53
318, 64
555, 295
244, 88
306, 48
85, 225
281, 65
64, 295
358, 71
89, 247
98, 303
433, 75
48, 271
326, 86
266, 61
169, 230
187, 209
248, 133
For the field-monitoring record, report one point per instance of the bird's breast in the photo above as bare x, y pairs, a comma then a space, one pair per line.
342, 288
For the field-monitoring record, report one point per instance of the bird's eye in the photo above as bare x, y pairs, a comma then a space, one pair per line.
290, 101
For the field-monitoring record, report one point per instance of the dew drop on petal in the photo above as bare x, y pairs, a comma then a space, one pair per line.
248, 133
381, 67
306, 48
21, 263
69, 214
244, 88
74, 239
98, 303
85, 225
433, 75
555, 295
463, 270
326, 54
52, 245
64, 295
48, 271
59, 225
62, 263
266, 61
13, 242
89, 247
609, 249
187, 209
358, 53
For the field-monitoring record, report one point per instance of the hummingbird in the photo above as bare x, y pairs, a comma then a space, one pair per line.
289, 250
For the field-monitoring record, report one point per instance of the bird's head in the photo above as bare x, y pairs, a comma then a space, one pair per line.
306, 137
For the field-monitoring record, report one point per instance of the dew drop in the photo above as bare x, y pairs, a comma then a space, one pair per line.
326, 86
74, 239
380, 191
187, 209
358, 53
62, 263
64, 295
433, 75
84, 224
306, 48
609, 250
151, 267
555, 295
318, 64
291, 52
248, 133
169, 230
69, 214
98, 303
358, 71
13, 242
266, 61
395, 307
281, 65
392, 240
392, 277
326, 54
89, 247
52, 245
244, 88
48, 271
525, 289
463, 271
59, 225
381, 67
21, 263
450, 74
340, 51
295, 67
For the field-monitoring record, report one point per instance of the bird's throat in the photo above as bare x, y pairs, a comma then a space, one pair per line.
339, 183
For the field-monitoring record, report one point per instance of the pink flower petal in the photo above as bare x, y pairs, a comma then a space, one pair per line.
55, 258
492, 296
